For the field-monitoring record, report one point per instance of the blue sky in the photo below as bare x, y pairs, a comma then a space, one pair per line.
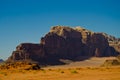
28, 20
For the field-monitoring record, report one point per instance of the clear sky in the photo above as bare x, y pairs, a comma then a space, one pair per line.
28, 20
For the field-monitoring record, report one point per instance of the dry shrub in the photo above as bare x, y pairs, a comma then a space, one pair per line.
62, 72
33, 67
20, 65
111, 62
74, 71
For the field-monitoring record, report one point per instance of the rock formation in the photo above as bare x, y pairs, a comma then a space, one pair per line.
114, 42
65, 43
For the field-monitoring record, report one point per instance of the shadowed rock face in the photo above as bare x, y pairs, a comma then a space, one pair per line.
114, 43
27, 51
64, 43
97, 45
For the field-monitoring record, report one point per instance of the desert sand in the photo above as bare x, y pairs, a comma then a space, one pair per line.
83, 70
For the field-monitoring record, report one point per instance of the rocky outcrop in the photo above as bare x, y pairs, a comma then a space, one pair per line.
114, 42
64, 43
28, 51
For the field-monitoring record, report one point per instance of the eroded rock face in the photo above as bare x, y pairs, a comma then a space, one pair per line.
100, 45
27, 51
64, 43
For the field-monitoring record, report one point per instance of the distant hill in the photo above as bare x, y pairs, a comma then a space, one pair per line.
63, 42
1, 60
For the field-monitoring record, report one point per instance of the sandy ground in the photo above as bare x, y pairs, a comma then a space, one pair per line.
91, 62
85, 70
87, 73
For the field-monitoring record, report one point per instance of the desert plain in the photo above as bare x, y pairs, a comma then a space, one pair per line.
89, 69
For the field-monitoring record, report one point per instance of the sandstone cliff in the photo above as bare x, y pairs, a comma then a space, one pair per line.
65, 43
113, 42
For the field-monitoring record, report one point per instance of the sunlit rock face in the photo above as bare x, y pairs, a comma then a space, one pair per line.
65, 43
